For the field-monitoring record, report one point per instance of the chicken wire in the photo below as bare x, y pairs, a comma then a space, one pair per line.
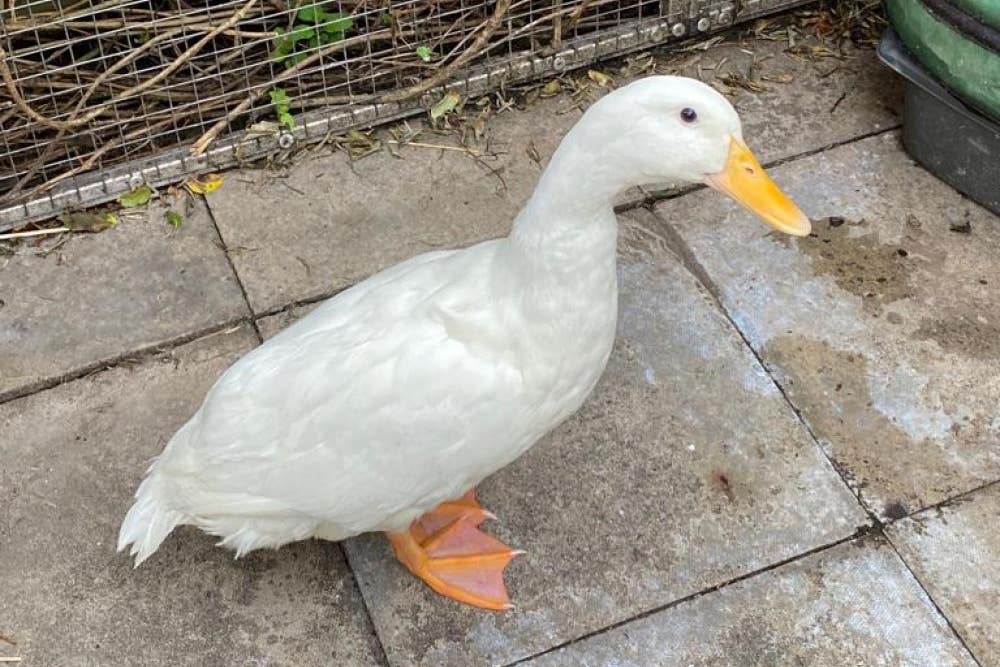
100, 96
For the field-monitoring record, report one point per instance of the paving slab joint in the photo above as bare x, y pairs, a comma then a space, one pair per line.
942, 504
139, 354
926, 591
378, 648
236, 274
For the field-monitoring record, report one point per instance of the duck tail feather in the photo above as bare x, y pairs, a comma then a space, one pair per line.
149, 521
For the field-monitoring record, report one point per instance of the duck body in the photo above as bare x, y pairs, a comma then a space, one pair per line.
399, 393
381, 408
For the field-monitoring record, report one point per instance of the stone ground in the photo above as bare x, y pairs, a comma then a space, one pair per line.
792, 458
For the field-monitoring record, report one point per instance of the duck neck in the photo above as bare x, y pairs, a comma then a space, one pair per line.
569, 220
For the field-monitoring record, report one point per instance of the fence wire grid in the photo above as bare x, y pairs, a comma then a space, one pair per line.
91, 85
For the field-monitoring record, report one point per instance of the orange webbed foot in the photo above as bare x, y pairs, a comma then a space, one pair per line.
441, 516
447, 550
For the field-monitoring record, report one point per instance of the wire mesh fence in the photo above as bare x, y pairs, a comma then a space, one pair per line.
98, 95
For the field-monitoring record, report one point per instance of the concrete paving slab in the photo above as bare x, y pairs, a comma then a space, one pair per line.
853, 604
955, 552
684, 470
101, 296
70, 459
882, 327
329, 223
798, 104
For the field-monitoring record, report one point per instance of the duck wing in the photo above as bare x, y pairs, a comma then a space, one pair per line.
392, 396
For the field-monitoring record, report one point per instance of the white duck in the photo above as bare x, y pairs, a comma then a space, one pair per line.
384, 407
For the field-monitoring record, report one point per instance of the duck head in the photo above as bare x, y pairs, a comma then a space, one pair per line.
668, 128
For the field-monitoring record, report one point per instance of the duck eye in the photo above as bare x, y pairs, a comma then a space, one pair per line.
688, 115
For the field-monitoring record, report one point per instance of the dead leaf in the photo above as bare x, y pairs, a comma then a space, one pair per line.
533, 153
86, 221
445, 105
359, 144
600, 78
479, 122
963, 227
738, 80
207, 184
781, 77
264, 128
551, 89
638, 64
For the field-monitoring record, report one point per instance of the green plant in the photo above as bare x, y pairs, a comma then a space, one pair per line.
173, 218
138, 196
314, 27
283, 108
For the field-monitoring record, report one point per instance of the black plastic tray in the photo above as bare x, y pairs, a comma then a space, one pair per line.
954, 142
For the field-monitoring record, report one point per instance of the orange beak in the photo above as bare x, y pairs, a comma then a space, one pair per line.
745, 180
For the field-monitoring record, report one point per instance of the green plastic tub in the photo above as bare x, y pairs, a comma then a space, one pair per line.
958, 42
951, 140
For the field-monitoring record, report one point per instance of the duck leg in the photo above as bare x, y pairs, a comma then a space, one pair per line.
447, 550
